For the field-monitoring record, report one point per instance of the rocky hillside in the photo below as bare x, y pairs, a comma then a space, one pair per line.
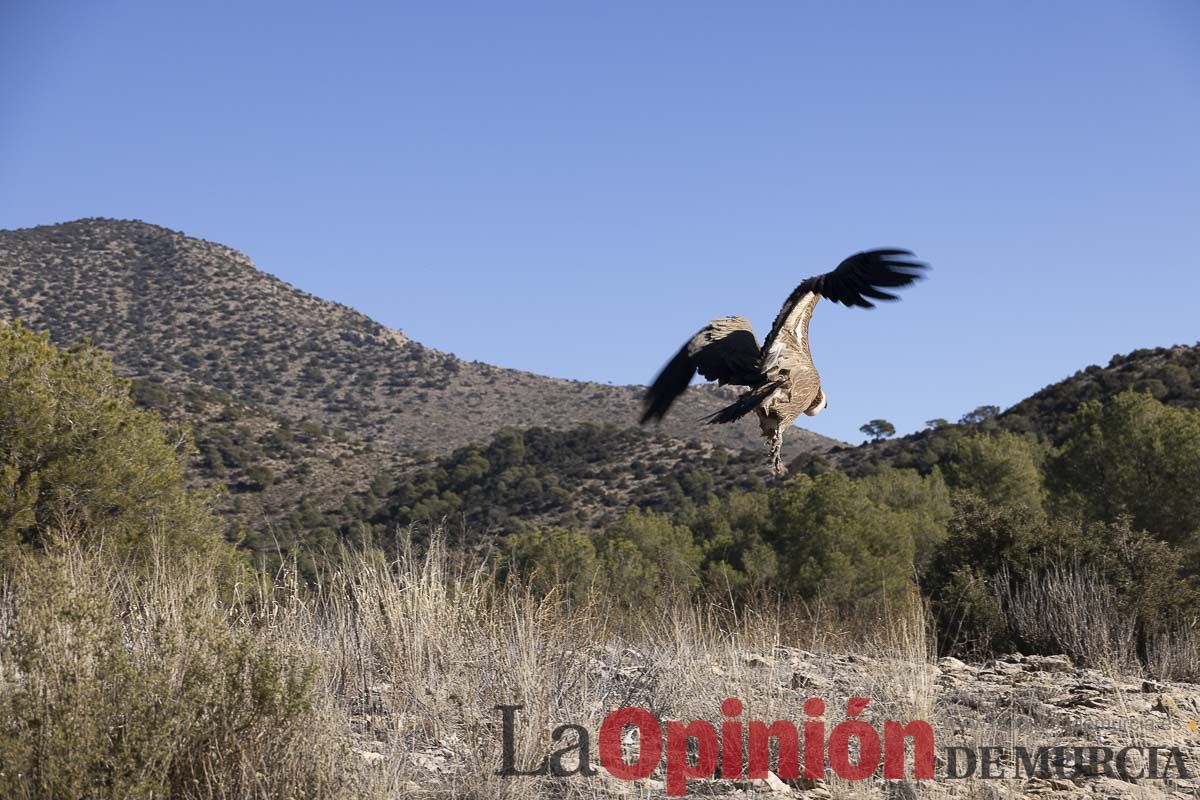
182, 311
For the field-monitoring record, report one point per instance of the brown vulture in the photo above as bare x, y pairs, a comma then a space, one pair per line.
782, 382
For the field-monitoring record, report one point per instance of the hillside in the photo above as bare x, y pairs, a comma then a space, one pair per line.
306, 413
180, 311
1170, 374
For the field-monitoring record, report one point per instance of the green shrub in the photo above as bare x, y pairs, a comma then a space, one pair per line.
113, 685
639, 562
647, 558
991, 550
838, 544
77, 458
554, 557
1135, 456
1003, 468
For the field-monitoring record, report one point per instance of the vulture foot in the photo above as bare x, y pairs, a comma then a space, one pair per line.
777, 465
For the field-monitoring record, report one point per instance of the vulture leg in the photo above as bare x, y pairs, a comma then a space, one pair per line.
777, 465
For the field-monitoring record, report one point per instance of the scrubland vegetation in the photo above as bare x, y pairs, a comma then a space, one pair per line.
142, 654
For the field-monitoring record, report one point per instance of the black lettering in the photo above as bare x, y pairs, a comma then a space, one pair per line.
1123, 765
1041, 759
581, 747
1152, 772
991, 757
1095, 764
1176, 758
1060, 762
952, 762
508, 767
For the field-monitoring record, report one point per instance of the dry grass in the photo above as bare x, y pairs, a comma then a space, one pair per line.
150, 681
1176, 656
382, 681
1070, 609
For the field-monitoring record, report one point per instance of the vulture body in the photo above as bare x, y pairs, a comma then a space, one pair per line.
782, 381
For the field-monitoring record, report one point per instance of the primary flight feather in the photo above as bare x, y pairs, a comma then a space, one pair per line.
780, 376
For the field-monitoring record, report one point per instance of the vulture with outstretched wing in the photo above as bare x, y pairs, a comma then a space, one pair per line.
780, 376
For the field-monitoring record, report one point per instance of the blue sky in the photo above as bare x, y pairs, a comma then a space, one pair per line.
574, 188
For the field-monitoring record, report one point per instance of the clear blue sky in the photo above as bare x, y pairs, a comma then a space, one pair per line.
574, 188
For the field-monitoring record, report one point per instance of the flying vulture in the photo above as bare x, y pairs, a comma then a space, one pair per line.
781, 379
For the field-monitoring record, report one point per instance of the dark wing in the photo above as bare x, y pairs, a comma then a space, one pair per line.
724, 350
858, 277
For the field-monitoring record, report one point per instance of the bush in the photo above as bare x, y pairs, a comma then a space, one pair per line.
637, 563
77, 458
113, 685
647, 559
1003, 468
555, 557
1133, 455
837, 543
1000, 561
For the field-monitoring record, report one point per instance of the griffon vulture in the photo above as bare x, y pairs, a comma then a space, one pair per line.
780, 376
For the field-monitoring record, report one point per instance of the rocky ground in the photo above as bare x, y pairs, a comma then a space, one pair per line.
1007, 702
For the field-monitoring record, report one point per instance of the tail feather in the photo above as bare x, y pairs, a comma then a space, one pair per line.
743, 405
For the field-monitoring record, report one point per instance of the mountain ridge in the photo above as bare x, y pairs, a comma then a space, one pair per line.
137, 290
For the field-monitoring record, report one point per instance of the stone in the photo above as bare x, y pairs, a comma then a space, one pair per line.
951, 664
776, 785
1051, 664
804, 680
755, 660
1168, 705
370, 757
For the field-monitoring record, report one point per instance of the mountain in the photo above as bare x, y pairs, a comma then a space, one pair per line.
180, 311
298, 404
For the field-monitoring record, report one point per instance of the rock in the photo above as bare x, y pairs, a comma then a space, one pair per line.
430, 762
1036, 786
1114, 788
776, 785
814, 789
370, 757
1051, 664
900, 790
951, 664
804, 680
1168, 705
755, 660
1002, 667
